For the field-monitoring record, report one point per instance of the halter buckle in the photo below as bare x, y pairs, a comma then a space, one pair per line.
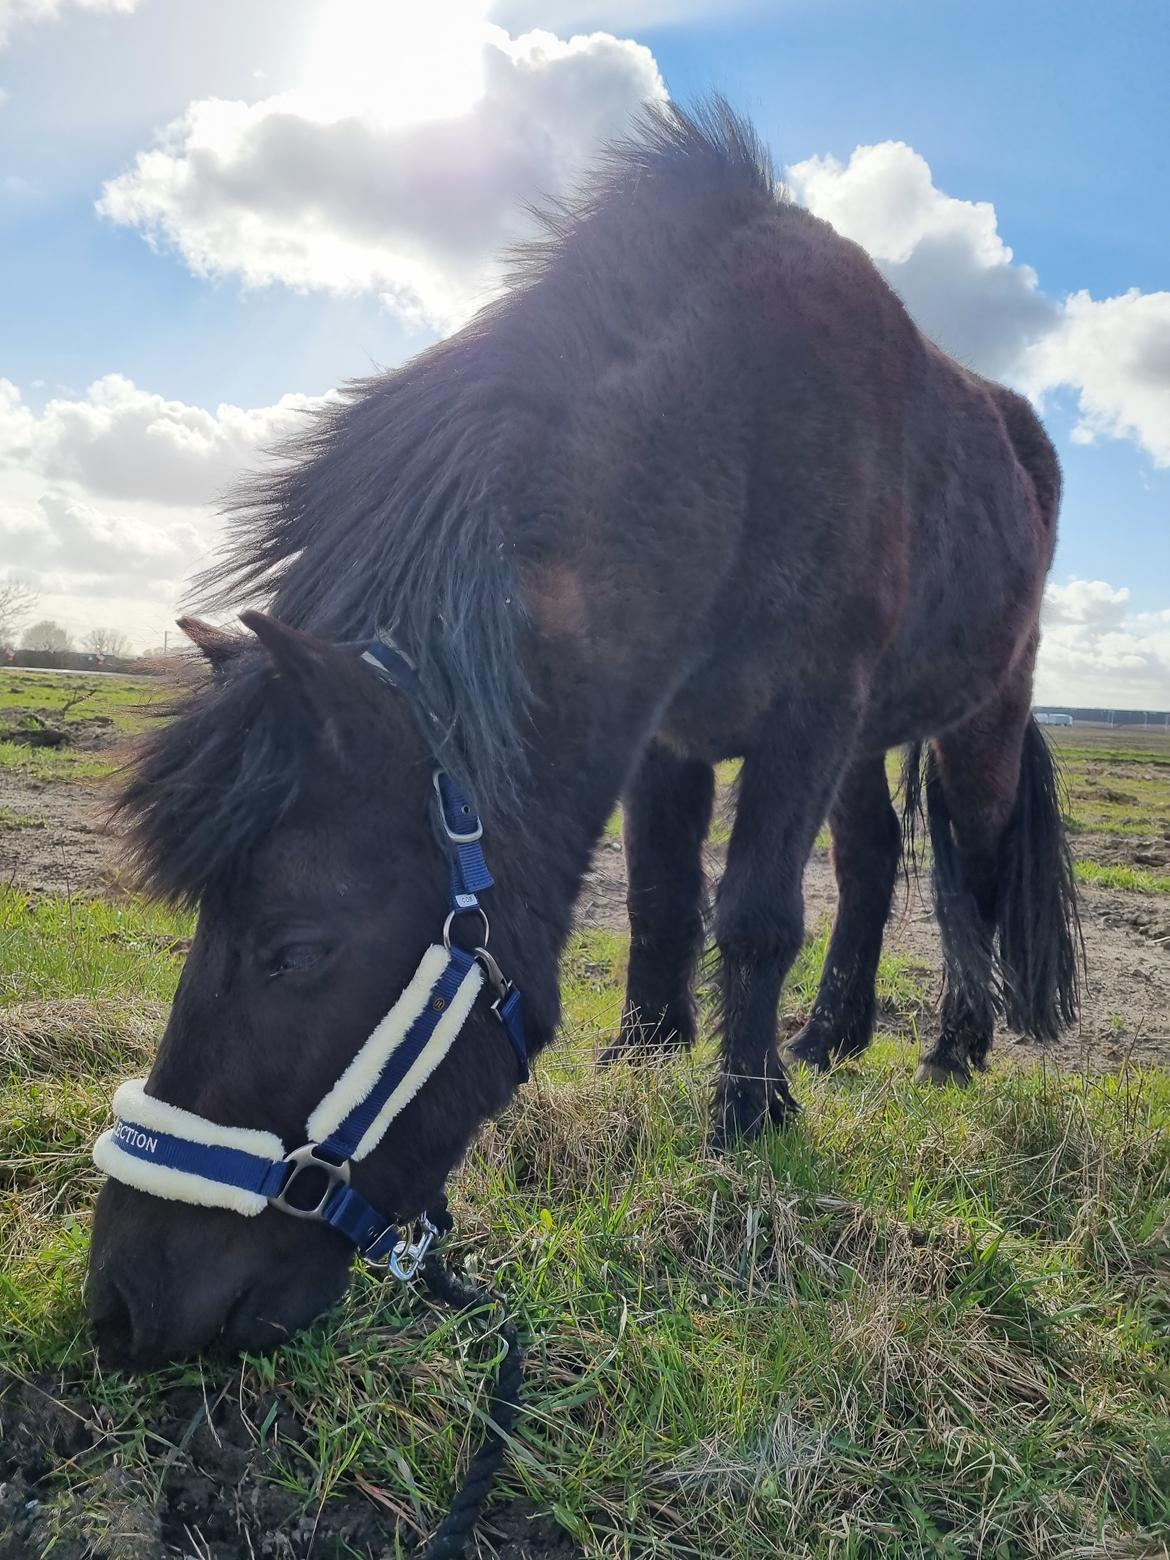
496, 978
306, 1161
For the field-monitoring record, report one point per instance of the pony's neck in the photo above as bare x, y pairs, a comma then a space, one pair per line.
585, 742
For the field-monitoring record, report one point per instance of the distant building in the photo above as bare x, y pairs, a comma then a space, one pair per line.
1072, 715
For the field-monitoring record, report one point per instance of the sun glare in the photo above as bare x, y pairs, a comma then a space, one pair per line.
396, 62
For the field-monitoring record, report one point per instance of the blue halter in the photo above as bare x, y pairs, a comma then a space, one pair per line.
175, 1153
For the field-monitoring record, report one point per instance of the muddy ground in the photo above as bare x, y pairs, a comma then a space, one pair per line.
1125, 1013
209, 1494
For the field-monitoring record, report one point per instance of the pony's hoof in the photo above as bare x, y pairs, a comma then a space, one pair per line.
641, 1040
813, 1048
940, 1073
742, 1112
825, 1045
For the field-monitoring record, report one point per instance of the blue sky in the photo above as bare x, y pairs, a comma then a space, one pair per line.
1053, 114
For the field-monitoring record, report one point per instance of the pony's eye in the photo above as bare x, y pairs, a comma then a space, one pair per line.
294, 957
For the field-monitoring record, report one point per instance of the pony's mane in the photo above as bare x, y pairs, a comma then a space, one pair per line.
388, 512
211, 784
395, 511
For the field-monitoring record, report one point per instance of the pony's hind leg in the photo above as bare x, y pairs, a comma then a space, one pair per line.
867, 842
666, 813
786, 787
965, 840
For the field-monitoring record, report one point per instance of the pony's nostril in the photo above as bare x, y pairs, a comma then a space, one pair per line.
112, 1324
127, 1328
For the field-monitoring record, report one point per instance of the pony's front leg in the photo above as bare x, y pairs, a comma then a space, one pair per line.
666, 812
786, 788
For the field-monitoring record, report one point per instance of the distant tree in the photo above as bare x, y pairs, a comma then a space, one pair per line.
106, 641
47, 635
16, 601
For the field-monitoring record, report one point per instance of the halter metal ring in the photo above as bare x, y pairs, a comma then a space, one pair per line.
477, 910
307, 1160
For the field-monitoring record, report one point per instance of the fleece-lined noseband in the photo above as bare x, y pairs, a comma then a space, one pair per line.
176, 1154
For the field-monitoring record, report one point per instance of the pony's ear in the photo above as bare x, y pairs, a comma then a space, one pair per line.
293, 652
217, 644
304, 664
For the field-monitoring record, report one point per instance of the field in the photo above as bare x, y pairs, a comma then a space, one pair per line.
916, 1324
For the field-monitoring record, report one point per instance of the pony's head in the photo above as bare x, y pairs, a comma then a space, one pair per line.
292, 800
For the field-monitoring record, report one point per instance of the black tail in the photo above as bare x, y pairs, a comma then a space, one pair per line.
913, 809
1039, 951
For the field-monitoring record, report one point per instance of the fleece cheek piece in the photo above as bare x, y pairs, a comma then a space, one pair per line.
390, 1063
157, 1147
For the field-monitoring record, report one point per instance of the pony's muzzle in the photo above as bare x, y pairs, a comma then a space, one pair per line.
168, 1278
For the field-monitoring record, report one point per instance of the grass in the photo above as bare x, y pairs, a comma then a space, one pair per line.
54, 948
62, 763
1136, 879
1113, 790
1104, 803
125, 701
10, 819
916, 1324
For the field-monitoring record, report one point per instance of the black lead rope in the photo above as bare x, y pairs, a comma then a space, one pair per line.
455, 1530
503, 1405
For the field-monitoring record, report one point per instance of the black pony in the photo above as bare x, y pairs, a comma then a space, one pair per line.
695, 487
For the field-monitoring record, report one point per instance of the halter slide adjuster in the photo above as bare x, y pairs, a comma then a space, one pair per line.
306, 1161
474, 830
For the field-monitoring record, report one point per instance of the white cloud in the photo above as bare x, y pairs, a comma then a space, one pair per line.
577, 15
1115, 353
14, 12
109, 496
65, 544
400, 165
948, 262
1095, 653
1090, 604
122, 442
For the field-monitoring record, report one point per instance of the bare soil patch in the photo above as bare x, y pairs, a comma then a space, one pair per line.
54, 837
215, 1490
1125, 1017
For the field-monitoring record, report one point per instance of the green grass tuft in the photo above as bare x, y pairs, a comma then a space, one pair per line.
1136, 879
10, 819
63, 763
55, 947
